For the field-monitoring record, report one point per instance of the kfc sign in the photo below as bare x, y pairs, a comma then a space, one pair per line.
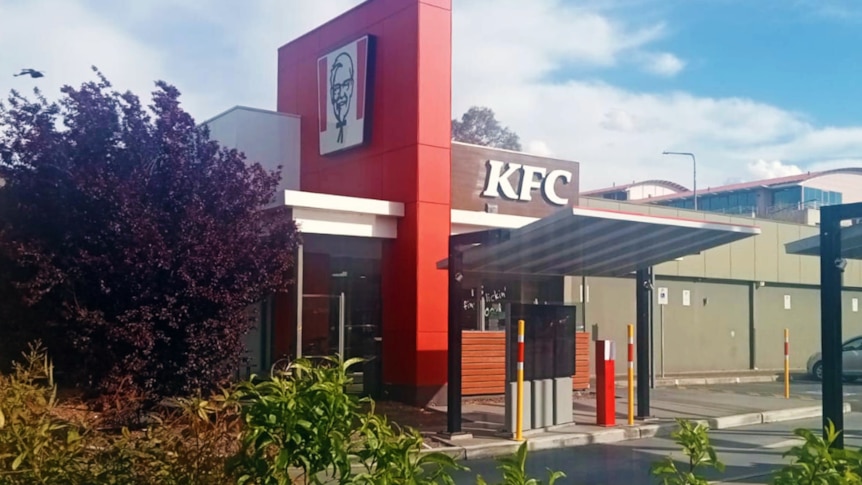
342, 95
515, 181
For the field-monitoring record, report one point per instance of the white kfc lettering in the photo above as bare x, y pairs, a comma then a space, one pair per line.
529, 182
550, 182
498, 181
499, 184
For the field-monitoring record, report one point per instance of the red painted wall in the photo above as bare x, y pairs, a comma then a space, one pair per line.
407, 160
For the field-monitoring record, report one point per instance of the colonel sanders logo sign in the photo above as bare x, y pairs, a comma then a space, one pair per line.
342, 77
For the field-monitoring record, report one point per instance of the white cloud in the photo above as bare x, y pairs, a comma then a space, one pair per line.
219, 53
515, 58
663, 64
618, 134
763, 169
538, 147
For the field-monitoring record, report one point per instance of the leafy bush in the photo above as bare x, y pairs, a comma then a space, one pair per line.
302, 419
130, 242
816, 461
301, 424
189, 444
694, 440
515, 473
390, 455
36, 446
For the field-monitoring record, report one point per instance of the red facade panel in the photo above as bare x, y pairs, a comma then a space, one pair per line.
405, 160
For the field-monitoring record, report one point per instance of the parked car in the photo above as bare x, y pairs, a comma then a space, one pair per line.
852, 361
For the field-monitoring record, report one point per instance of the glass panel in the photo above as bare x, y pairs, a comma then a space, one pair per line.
320, 325
789, 197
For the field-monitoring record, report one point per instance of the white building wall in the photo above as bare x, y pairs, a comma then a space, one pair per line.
648, 190
266, 137
849, 184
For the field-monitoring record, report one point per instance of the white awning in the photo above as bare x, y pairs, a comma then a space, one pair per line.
596, 242
851, 244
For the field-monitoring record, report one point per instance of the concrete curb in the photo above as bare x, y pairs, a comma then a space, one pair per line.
706, 381
624, 433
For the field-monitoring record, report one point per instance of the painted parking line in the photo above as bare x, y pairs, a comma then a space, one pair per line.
820, 393
784, 444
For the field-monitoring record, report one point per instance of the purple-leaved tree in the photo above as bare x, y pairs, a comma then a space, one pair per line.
130, 243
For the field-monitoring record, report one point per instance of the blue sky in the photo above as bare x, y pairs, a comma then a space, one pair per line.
792, 54
756, 88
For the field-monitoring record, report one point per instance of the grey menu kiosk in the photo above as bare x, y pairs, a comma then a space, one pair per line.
549, 364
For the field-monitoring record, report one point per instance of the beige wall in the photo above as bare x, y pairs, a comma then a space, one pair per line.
701, 337
710, 334
803, 321
759, 258
771, 318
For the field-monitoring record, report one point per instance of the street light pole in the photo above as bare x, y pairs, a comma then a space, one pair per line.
694, 171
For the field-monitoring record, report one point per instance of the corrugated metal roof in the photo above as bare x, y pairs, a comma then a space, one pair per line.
617, 188
788, 180
596, 242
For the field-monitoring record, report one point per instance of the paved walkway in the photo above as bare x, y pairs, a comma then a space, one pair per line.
484, 420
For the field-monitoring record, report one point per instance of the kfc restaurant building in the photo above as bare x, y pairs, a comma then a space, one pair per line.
376, 185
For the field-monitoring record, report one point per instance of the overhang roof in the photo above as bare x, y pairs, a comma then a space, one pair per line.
596, 242
851, 244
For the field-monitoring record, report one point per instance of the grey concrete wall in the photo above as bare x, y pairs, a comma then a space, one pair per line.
803, 321
710, 334
608, 305
771, 318
715, 335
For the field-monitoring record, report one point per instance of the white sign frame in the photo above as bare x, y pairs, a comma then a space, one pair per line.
663, 296
686, 297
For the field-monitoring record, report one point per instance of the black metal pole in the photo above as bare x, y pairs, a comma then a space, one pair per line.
453, 393
643, 298
830, 320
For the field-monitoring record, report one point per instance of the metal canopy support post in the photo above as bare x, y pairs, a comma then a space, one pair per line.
643, 294
341, 326
299, 293
455, 275
830, 319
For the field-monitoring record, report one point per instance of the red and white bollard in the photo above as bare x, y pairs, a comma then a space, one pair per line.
605, 396
786, 363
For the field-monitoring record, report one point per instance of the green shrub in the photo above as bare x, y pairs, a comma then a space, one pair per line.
694, 440
189, 444
515, 473
390, 455
298, 419
816, 461
35, 445
301, 425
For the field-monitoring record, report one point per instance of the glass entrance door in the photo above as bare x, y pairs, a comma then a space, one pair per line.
321, 331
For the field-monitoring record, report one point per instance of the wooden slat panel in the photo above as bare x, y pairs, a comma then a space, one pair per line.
581, 380
483, 380
467, 335
484, 362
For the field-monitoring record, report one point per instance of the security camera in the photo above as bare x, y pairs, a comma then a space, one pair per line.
841, 263
648, 285
459, 277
